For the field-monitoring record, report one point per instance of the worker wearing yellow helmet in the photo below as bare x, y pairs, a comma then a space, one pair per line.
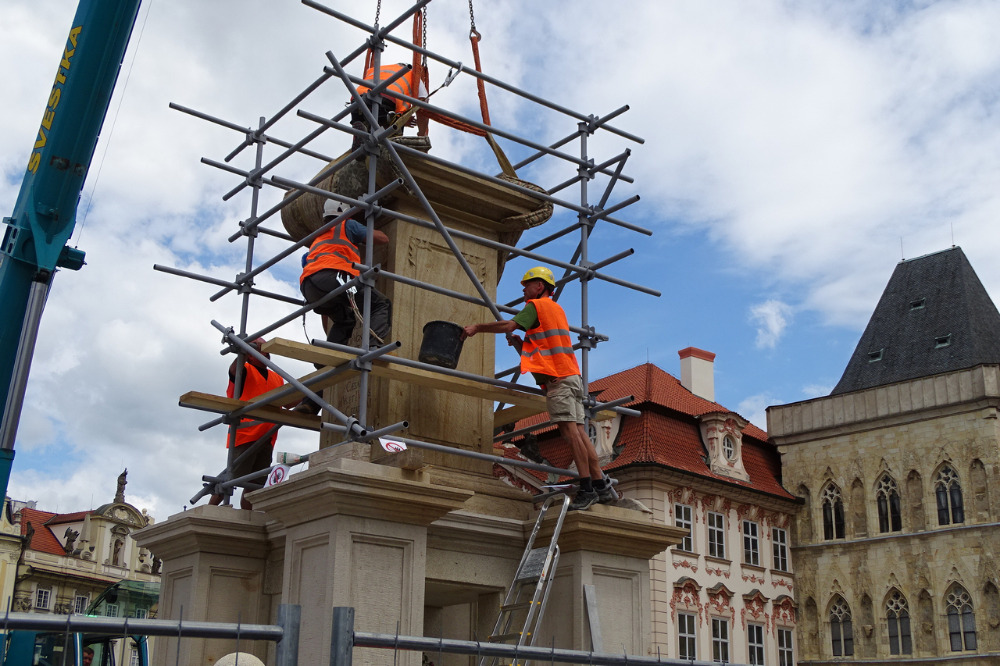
547, 353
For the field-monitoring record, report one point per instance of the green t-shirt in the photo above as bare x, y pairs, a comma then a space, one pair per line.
527, 318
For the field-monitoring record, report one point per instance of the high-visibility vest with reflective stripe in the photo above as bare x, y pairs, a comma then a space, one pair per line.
331, 250
548, 348
254, 384
403, 85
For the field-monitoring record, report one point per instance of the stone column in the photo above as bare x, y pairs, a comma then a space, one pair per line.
609, 548
213, 570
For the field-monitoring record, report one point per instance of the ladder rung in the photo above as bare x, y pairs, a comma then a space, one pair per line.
517, 606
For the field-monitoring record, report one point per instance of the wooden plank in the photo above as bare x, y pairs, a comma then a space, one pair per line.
425, 378
221, 405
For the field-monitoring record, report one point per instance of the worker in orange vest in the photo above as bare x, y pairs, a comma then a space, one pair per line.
327, 267
257, 380
405, 85
547, 353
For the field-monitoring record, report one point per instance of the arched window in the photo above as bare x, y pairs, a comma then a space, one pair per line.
833, 512
887, 499
948, 492
961, 619
898, 615
841, 633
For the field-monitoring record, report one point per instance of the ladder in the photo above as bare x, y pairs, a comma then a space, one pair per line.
524, 604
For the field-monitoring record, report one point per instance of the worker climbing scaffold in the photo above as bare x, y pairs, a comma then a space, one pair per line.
547, 353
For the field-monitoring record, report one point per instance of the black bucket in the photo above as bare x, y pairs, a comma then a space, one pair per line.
442, 344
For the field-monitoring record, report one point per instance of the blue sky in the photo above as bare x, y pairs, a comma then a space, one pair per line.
794, 153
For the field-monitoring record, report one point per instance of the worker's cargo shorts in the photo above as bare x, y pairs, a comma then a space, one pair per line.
564, 399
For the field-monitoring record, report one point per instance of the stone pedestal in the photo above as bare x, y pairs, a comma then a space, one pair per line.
214, 569
356, 535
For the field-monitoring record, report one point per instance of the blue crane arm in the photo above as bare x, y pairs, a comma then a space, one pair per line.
34, 241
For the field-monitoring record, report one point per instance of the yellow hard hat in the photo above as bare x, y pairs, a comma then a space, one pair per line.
540, 273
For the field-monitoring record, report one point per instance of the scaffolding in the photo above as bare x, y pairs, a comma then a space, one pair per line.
375, 143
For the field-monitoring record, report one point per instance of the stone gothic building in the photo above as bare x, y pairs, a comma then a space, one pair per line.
897, 545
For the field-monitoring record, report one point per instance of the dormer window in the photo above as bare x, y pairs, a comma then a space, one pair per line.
942, 341
722, 434
917, 304
875, 355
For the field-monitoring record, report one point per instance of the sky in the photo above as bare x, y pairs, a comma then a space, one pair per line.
793, 153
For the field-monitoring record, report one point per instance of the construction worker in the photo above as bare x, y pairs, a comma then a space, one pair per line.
547, 353
257, 380
328, 266
406, 85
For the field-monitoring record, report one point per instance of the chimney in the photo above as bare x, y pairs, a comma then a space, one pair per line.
698, 372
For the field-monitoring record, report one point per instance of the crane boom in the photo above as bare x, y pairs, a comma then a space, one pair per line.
34, 241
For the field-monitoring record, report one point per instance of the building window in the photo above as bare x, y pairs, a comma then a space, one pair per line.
682, 519
43, 597
841, 632
686, 638
80, 603
720, 640
786, 655
898, 616
716, 535
961, 620
887, 498
751, 545
779, 540
948, 492
142, 613
133, 659
755, 644
728, 447
111, 610
833, 512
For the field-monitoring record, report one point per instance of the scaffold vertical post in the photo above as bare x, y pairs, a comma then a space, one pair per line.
289, 618
342, 640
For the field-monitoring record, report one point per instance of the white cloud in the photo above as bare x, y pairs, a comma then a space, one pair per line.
754, 409
811, 391
771, 319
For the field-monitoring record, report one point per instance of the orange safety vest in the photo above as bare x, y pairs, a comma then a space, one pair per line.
403, 85
331, 250
548, 348
254, 384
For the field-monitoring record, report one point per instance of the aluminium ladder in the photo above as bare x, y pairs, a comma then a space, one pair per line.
534, 573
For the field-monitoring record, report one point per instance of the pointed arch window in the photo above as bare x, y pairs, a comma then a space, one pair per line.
833, 512
948, 492
898, 615
887, 500
841, 631
961, 620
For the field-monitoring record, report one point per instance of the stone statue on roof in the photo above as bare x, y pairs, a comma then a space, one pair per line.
120, 495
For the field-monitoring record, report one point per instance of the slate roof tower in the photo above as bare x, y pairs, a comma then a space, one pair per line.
934, 317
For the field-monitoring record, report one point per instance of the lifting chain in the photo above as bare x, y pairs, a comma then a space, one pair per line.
378, 11
472, 17
423, 42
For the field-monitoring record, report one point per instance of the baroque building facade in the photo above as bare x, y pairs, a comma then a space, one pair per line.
897, 541
726, 592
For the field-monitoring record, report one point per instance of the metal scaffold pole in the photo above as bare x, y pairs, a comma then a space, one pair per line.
272, 177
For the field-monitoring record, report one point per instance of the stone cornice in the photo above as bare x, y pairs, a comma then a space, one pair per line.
355, 488
611, 530
213, 529
885, 406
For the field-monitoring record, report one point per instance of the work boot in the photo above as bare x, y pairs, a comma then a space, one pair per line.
607, 495
583, 500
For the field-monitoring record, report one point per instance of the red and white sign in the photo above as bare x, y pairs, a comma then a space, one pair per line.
392, 446
277, 475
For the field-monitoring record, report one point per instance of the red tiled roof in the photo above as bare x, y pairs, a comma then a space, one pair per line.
43, 540
667, 433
